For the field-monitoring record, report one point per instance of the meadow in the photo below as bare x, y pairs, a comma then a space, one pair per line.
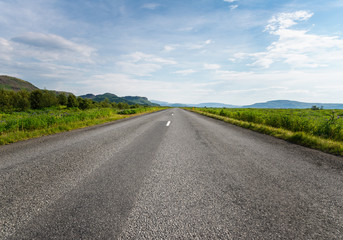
320, 129
16, 126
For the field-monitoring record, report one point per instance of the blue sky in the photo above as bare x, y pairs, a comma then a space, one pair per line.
231, 51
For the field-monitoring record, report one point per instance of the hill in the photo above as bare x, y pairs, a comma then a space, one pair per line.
270, 104
114, 98
293, 104
15, 84
140, 100
110, 96
215, 105
210, 105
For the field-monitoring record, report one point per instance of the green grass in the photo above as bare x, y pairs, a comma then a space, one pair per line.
19, 126
321, 129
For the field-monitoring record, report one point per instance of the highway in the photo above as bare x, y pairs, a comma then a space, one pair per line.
172, 174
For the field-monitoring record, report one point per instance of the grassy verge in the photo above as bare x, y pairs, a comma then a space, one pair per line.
301, 138
26, 125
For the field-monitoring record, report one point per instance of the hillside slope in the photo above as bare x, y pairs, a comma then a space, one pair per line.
114, 98
140, 100
15, 84
294, 104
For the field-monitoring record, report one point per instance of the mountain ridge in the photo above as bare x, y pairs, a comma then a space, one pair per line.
131, 100
293, 104
282, 104
17, 84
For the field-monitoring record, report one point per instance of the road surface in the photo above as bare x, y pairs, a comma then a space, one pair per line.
168, 175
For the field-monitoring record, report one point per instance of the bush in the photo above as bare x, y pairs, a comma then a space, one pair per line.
22, 102
7, 99
41, 99
62, 99
36, 99
123, 106
72, 101
127, 111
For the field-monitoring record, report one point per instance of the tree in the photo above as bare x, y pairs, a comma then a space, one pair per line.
114, 105
72, 101
22, 102
7, 99
36, 99
49, 99
134, 106
105, 103
84, 103
123, 105
62, 99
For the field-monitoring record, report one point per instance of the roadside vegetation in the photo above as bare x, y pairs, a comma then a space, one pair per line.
315, 128
25, 115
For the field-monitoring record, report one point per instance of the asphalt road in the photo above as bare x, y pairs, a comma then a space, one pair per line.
191, 178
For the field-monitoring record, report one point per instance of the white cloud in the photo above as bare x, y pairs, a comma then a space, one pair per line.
211, 66
297, 48
51, 42
5, 49
185, 72
141, 69
151, 6
233, 75
230, 1
123, 85
143, 57
233, 7
50, 47
229, 88
200, 45
186, 29
286, 20
169, 48
250, 90
293, 85
142, 64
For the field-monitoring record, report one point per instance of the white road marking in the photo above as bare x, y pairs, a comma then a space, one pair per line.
168, 123
172, 114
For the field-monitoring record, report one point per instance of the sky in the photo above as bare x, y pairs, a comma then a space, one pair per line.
187, 51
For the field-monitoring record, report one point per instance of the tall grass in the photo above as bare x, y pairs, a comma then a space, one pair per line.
319, 129
33, 123
322, 123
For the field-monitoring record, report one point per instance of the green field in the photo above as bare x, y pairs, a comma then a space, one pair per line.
18, 126
320, 129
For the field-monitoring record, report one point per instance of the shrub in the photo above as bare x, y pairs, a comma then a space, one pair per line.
72, 101
62, 99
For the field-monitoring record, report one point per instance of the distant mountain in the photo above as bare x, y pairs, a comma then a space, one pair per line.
293, 104
167, 104
15, 84
114, 98
179, 105
210, 105
110, 96
269, 104
161, 103
140, 100
214, 105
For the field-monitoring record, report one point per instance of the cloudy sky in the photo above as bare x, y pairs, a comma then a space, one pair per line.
190, 51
